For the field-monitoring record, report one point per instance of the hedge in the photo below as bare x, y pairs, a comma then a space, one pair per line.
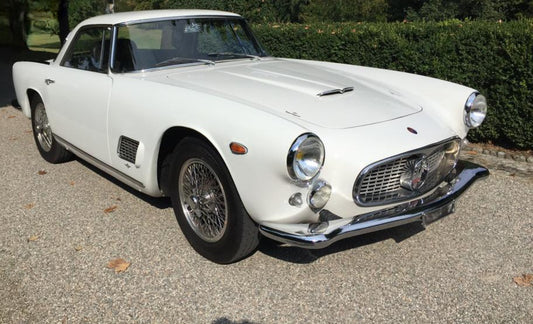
494, 57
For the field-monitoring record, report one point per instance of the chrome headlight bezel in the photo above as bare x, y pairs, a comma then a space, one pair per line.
475, 110
306, 148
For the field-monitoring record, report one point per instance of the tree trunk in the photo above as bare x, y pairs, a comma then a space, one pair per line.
62, 18
18, 22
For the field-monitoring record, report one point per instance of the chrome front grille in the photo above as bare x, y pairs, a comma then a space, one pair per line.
380, 183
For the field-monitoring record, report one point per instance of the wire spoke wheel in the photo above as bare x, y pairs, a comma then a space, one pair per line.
203, 200
42, 128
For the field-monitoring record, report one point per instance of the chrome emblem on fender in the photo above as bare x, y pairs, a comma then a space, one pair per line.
415, 174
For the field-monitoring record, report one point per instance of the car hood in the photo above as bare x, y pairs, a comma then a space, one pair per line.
297, 90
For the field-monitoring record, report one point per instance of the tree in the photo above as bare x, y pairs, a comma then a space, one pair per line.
19, 22
62, 18
437, 10
345, 10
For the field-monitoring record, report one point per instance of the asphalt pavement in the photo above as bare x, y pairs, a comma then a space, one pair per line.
61, 225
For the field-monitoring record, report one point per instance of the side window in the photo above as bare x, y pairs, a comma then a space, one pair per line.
89, 50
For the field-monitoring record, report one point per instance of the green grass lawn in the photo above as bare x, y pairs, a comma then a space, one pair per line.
43, 42
38, 39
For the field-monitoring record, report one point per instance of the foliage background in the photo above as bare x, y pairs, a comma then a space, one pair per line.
494, 58
485, 44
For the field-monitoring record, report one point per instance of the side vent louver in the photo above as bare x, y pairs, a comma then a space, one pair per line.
127, 148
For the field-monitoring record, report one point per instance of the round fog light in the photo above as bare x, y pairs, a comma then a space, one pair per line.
319, 195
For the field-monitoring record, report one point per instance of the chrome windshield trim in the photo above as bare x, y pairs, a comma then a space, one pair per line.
210, 62
148, 20
424, 210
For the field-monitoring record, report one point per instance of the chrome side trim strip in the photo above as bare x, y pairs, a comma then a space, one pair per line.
101, 165
426, 210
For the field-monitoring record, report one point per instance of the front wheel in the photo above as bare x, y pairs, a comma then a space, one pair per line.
48, 147
207, 205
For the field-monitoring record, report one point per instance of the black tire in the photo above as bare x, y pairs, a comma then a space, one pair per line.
209, 209
48, 147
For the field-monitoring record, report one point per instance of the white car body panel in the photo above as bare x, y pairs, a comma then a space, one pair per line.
72, 96
264, 104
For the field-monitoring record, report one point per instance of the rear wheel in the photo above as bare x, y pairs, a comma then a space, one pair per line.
207, 205
48, 147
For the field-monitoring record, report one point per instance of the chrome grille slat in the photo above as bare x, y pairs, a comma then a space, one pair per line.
379, 184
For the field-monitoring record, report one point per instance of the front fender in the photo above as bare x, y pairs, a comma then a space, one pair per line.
29, 76
144, 110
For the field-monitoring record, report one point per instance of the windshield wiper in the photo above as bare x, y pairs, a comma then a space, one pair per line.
182, 60
238, 55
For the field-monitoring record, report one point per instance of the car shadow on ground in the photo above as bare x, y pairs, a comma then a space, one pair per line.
277, 250
157, 202
305, 256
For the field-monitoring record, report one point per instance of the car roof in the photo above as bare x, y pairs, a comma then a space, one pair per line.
133, 16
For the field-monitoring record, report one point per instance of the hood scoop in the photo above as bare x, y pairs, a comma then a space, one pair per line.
334, 91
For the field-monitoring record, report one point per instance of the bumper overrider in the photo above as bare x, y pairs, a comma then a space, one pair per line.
425, 210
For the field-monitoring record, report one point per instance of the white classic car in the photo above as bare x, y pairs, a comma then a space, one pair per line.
186, 104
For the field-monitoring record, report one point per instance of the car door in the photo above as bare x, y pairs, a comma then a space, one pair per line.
78, 91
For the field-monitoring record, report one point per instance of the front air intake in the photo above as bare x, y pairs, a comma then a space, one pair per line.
127, 148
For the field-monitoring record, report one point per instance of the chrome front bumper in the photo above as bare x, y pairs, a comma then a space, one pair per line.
425, 210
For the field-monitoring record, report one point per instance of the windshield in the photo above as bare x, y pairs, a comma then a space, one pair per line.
183, 41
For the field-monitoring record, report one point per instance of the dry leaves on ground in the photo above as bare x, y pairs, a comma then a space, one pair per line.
110, 209
524, 280
118, 265
12, 116
33, 238
42, 172
29, 206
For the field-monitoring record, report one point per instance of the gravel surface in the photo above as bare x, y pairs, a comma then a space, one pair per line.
57, 239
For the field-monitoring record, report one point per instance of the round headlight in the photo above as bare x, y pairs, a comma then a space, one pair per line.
306, 157
475, 110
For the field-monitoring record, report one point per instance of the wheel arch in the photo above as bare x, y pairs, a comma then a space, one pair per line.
30, 95
169, 140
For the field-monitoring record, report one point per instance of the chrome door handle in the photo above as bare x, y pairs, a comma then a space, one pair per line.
49, 81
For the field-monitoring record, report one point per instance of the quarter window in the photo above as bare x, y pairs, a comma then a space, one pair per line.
89, 50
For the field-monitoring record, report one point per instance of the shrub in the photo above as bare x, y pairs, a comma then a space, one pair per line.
495, 58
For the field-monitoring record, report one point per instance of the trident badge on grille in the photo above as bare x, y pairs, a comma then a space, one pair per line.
415, 174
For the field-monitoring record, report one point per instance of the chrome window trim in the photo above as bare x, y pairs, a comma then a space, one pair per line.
370, 167
75, 38
114, 36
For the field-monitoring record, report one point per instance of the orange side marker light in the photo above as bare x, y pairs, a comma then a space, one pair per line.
237, 148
